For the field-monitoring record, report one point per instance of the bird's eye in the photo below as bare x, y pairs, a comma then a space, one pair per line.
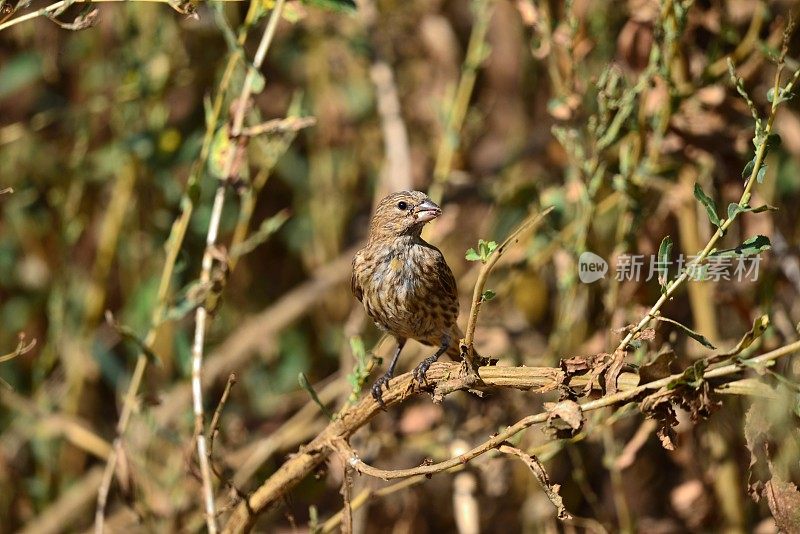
402, 205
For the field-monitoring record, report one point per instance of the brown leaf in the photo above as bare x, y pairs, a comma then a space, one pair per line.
659, 407
593, 365
784, 502
87, 19
536, 467
658, 368
564, 418
756, 434
782, 496
614, 369
699, 402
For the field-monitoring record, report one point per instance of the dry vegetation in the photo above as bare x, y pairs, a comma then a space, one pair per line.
182, 188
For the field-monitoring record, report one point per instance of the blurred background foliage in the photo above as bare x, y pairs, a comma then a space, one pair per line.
609, 111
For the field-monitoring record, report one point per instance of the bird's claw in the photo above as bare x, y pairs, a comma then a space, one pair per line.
377, 389
421, 369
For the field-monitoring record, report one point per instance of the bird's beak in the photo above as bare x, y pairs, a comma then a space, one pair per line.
427, 211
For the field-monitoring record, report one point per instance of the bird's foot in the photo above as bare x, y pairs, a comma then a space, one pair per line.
377, 388
422, 368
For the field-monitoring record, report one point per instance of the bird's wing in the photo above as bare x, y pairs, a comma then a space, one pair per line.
355, 285
447, 282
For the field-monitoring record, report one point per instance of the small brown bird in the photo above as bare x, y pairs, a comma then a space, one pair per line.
405, 283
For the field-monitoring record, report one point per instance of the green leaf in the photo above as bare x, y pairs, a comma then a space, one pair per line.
488, 295
748, 169
762, 172
751, 247
306, 385
692, 376
754, 245
664, 254
700, 195
343, 6
128, 334
485, 249
700, 338
259, 82
735, 209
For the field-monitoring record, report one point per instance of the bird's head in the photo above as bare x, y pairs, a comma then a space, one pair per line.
402, 214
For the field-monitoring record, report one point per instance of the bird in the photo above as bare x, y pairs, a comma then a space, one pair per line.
405, 284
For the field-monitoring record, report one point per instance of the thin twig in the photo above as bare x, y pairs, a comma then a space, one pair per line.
536, 467
21, 349
531, 223
201, 314
214, 427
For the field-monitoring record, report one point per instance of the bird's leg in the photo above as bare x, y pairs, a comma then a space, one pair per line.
422, 368
377, 387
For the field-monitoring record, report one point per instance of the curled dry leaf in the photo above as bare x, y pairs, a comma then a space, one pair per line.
87, 19
658, 407
756, 434
657, 368
614, 369
784, 502
564, 418
782, 496
597, 366
694, 394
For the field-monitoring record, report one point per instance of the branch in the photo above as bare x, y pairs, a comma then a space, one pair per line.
309, 457
531, 223
540, 379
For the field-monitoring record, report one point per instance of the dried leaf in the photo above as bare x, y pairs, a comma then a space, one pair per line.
594, 365
784, 502
756, 432
658, 368
613, 371
658, 407
564, 418
86, 19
